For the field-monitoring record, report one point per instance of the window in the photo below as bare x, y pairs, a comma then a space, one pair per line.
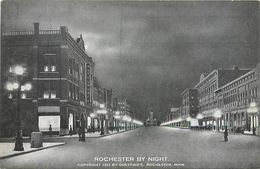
10, 96
70, 66
10, 69
53, 68
46, 68
46, 94
23, 95
49, 62
53, 94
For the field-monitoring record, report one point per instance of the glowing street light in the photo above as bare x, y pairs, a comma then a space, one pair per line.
19, 70
102, 106
92, 115
199, 116
125, 118
217, 114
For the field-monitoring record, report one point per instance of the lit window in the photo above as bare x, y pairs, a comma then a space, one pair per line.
46, 68
70, 70
53, 68
23, 95
10, 69
53, 94
46, 94
69, 93
10, 96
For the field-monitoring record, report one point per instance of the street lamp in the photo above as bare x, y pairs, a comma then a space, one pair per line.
217, 115
92, 115
18, 87
102, 112
189, 121
199, 117
125, 120
117, 117
253, 110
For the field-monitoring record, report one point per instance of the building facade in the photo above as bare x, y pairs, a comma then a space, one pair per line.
190, 108
239, 103
225, 98
61, 74
207, 86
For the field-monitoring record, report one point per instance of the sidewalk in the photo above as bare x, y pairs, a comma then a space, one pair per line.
89, 135
6, 149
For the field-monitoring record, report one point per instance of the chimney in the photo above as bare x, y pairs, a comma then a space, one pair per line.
63, 29
36, 28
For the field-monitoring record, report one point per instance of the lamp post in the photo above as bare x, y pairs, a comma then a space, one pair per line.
253, 110
125, 120
199, 117
92, 115
217, 115
82, 127
189, 121
102, 112
117, 117
18, 87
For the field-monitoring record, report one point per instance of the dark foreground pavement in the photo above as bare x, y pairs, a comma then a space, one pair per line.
175, 148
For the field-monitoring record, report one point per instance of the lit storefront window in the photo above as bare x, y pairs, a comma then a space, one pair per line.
46, 121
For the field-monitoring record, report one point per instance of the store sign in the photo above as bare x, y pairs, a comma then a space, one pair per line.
47, 109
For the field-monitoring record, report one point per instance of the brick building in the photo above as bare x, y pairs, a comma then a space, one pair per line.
207, 86
61, 74
235, 100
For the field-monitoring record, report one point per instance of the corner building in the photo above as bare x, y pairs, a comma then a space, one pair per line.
61, 74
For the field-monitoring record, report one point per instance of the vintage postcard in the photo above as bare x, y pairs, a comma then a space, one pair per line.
90, 84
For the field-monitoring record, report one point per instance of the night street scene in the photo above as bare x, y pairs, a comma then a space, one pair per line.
129, 84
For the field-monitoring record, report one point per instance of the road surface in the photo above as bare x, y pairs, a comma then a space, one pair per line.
168, 147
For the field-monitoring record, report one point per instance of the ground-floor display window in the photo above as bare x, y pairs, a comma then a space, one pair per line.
46, 121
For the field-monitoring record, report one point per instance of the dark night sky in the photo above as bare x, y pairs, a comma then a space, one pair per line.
150, 51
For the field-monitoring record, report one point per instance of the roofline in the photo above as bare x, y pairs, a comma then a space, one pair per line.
213, 71
240, 77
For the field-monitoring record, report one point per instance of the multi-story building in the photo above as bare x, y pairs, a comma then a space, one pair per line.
123, 106
61, 74
173, 119
239, 103
190, 107
206, 91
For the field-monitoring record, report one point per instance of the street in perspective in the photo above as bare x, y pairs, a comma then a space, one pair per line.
129, 84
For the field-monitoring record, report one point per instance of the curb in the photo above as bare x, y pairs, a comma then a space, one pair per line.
112, 133
26, 152
96, 136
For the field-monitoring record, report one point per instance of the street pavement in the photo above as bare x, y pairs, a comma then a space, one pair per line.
174, 148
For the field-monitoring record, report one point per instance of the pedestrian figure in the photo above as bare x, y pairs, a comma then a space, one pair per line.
50, 130
79, 133
226, 134
70, 132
